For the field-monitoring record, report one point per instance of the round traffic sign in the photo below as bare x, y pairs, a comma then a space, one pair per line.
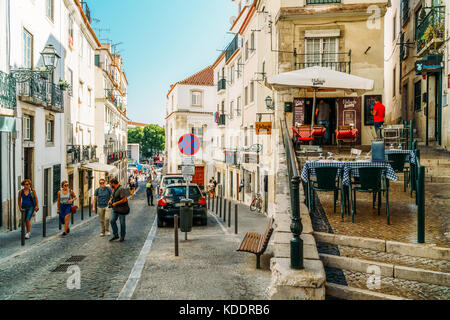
189, 144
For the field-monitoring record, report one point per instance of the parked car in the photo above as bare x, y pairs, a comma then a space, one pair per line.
170, 203
168, 180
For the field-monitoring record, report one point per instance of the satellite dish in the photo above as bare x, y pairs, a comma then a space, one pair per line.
232, 20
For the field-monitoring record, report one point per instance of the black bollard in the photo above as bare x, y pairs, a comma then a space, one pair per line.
90, 207
22, 231
44, 221
82, 208
220, 210
229, 214
175, 226
71, 218
212, 211
224, 210
236, 218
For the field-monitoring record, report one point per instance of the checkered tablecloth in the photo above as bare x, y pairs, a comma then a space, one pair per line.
310, 166
411, 158
353, 166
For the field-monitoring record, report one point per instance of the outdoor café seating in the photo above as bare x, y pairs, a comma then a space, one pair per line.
328, 180
345, 134
304, 133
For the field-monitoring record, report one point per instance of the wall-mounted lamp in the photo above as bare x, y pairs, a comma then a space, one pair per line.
269, 103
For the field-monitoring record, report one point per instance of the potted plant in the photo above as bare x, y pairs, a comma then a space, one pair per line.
63, 85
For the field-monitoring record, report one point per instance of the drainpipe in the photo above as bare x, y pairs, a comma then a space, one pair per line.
426, 113
1, 180
13, 136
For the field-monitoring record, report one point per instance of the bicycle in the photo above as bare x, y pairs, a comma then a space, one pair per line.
256, 204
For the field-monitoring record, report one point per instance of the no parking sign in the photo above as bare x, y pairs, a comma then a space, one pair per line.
189, 144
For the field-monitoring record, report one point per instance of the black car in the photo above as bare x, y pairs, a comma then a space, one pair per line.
170, 202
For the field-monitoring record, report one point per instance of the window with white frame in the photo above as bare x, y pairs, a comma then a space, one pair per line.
246, 96
27, 49
238, 106
321, 52
246, 50
80, 93
49, 126
231, 109
252, 41
232, 73
196, 98
252, 91
89, 98
239, 64
27, 128
50, 9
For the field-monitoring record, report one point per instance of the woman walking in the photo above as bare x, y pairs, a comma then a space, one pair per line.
28, 204
66, 198
132, 187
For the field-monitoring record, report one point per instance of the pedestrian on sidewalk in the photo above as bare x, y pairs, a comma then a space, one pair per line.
120, 210
66, 198
131, 187
28, 204
379, 112
102, 196
150, 188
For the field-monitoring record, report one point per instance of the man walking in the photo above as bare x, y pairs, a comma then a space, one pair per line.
379, 112
150, 187
323, 117
120, 209
102, 196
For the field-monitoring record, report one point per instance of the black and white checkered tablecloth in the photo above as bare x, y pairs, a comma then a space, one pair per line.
353, 166
411, 158
309, 168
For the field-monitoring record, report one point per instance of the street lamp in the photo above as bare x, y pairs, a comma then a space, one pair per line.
50, 57
269, 103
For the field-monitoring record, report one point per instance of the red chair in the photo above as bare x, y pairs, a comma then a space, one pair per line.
319, 132
302, 134
345, 134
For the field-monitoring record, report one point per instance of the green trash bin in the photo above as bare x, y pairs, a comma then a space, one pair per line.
186, 215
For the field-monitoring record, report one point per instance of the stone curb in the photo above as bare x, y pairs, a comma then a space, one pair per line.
420, 275
352, 293
409, 249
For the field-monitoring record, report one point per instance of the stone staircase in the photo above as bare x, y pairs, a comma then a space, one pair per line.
371, 269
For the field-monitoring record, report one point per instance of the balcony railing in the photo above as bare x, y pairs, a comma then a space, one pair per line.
222, 85
430, 26
8, 99
86, 10
77, 154
232, 48
405, 11
116, 156
231, 157
40, 91
222, 120
109, 95
337, 61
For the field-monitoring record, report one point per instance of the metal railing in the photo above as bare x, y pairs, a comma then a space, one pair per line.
109, 95
431, 26
232, 48
222, 120
417, 184
222, 84
116, 156
86, 10
77, 154
337, 61
8, 99
40, 91
294, 187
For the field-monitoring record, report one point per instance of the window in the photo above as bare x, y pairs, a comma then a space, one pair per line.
418, 95
394, 27
196, 98
49, 9
263, 70
252, 91
232, 73
252, 41
49, 130
89, 98
231, 109
80, 93
321, 52
81, 45
238, 106
239, 68
246, 96
27, 49
27, 128
246, 50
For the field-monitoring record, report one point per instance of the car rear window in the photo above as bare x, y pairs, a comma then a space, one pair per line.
173, 180
181, 191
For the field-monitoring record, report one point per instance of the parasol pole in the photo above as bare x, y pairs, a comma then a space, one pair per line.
314, 110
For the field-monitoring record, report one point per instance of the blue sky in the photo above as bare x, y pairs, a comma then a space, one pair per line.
164, 42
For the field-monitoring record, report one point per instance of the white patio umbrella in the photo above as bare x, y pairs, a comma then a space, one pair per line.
320, 78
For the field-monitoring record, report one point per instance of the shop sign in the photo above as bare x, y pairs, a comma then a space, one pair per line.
263, 128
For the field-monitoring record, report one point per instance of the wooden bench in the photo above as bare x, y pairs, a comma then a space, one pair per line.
257, 243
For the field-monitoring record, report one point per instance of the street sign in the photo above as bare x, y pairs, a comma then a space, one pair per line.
188, 161
189, 144
188, 170
187, 177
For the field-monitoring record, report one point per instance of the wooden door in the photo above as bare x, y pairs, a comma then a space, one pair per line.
199, 177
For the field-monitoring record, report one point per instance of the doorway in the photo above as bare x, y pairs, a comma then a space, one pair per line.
28, 163
333, 116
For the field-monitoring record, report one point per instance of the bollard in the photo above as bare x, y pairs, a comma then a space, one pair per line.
220, 210
22, 231
44, 221
90, 208
71, 218
209, 200
224, 210
175, 226
421, 206
236, 219
212, 211
59, 222
82, 208
217, 205
229, 214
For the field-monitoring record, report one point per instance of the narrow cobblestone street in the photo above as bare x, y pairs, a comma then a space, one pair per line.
104, 270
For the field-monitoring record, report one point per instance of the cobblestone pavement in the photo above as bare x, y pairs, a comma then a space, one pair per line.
208, 266
397, 287
403, 212
104, 270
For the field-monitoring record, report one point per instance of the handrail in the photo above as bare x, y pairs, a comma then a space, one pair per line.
294, 186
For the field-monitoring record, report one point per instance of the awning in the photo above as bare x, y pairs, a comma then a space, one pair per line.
110, 170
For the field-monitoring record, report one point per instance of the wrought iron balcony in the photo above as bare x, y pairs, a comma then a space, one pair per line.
430, 28
222, 85
232, 48
231, 156
38, 90
222, 120
78, 154
8, 99
109, 95
86, 10
337, 61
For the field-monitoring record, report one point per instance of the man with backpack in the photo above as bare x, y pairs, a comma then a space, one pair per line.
102, 196
120, 208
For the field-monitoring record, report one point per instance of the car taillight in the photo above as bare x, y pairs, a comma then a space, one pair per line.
202, 200
162, 202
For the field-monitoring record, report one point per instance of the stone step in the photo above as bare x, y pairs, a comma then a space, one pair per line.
351, 293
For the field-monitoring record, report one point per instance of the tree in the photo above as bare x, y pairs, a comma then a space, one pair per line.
151, 139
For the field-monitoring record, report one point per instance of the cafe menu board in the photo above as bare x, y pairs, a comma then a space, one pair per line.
369, 102
299, 111
350, 113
